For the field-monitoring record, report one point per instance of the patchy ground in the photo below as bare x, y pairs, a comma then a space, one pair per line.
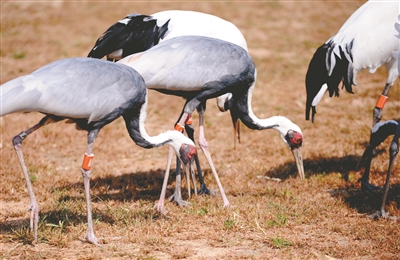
322, 217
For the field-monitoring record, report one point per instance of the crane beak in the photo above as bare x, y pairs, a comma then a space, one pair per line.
236, 126
225, 103
190, 173
187, 156
299, 162
236, 132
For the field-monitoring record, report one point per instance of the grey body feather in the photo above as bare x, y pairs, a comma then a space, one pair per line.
53, 88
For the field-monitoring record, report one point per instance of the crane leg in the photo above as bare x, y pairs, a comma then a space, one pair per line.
204, 147
160, 204
380, 104
177, 196
203, 187
17, 143
86, 172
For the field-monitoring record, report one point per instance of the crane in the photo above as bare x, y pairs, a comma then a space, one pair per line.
198, 68
90, 93
378, 134
365, 41
138, 32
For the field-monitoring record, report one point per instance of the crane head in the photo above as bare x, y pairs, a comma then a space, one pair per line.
295, 140
187, 152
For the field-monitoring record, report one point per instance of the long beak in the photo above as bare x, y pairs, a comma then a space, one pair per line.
299, 162
236, 132
189, 172
236, 127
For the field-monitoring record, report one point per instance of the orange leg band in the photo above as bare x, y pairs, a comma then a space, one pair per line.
188, 120
178, 127
87, 161
381, 101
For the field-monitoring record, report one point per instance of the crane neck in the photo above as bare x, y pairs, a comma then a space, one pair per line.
243, 110
134, 121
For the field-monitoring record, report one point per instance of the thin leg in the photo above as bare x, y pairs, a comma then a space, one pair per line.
86, 171
204, 147
33, 206
378, 109
203, 188
160, 204
177, 196
90, 237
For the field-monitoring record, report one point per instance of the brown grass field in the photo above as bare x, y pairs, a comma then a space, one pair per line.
322, 217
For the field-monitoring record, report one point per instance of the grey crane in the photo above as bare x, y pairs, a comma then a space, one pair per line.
198, 68
91, 93
139, 32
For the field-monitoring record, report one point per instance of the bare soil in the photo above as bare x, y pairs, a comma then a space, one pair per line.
322, 217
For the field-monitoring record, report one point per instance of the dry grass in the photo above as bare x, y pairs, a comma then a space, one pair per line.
323, 217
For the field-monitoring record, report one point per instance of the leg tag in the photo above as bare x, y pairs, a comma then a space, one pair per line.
178, 128
188, 120
381, 101
87, 161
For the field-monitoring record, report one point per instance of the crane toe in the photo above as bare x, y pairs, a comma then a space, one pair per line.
91, 238
34, 217
382, 214
366, 186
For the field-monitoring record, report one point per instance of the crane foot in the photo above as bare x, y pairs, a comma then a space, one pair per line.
366, 186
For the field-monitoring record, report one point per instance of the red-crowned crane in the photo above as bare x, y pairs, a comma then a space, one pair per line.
365, 41
199, 68
91, 93
137, 32
378, 134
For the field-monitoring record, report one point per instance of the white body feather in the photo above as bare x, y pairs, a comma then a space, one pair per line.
372, 29
201, 24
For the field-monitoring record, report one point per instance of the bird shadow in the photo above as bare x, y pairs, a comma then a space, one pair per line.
316, 166
134, 186
147, 185
68, 211
321, 166
356, 198
366, 202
